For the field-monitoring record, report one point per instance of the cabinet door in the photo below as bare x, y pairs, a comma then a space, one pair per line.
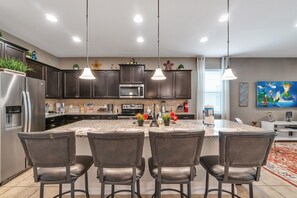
71, 84
183, 84
166, 87
112, 82
84, 88
126, 74
151, 88
137, 73
38, 69
53, 83
1, 49
11, 51
99, 84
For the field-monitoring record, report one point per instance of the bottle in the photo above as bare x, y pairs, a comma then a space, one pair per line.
186, 106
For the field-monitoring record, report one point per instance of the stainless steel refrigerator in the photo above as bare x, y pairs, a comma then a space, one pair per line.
21, 110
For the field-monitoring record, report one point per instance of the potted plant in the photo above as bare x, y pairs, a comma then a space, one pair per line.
13, 65
140, 118
166, 119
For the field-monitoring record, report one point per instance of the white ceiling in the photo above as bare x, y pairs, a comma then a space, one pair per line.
258, 28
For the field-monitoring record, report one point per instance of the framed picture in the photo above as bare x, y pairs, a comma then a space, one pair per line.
243, 94
270, 117
276, 94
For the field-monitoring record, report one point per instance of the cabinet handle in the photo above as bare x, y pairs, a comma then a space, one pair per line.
52, 120
53, 125
75, 118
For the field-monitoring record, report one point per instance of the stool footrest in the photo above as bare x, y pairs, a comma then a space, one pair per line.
139, 196
69, 191
170, 189
226, 191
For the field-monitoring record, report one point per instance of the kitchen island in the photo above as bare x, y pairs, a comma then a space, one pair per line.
210, 146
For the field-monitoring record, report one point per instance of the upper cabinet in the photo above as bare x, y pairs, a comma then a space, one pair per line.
176, 85
106, 84
53, 79
38, 69
8, 49
131, 73
183, 84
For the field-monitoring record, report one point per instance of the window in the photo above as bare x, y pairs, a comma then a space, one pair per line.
213, 94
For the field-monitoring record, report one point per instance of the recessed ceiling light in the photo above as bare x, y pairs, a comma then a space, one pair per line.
51, 18
224, 18
138, 18
140, 39
296, 25
203, 39
76, 39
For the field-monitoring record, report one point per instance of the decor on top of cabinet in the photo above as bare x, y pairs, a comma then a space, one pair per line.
34, 55
13, 65
1, 34
181, 67
96, 65
29, 54
132, 61
276, 94
75, 67
168, 65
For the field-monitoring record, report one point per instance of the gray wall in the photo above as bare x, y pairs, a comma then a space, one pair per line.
252, 70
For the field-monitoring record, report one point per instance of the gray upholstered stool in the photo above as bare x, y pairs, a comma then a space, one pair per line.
242, 154
174, 156
118, 156
53, 158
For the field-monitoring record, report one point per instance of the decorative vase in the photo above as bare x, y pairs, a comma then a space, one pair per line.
166, 122
140, 122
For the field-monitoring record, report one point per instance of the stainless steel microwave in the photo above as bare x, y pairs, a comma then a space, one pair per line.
131, 91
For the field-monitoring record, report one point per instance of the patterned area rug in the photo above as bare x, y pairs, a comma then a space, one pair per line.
282, 161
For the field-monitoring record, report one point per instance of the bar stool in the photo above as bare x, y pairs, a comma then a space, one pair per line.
174, 156
53, 158
242, 154
118, 156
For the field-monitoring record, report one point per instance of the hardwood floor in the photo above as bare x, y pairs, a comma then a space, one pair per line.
269, 186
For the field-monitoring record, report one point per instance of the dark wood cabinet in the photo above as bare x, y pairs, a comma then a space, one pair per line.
131, 74
106, 84
151, 87
73, 118
53, 79
166, 87
71, 84
38, 69
84, 88
8, 49
183, 84
54, 122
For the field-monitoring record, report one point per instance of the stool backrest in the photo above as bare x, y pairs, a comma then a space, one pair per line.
245, 149
116, 149
46, 149
178, 148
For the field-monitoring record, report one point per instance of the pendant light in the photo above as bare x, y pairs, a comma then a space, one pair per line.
87, 73
158, 75
228, 74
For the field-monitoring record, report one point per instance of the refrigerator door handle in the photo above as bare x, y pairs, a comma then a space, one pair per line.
29, 112
26, 111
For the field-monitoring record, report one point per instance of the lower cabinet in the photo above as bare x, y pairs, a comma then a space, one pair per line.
186, 117
54, 122
74, 118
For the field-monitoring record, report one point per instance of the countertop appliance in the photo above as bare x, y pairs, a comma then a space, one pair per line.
131, 90
21, 110
130, 110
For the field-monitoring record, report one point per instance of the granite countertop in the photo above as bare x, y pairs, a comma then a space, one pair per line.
82, 127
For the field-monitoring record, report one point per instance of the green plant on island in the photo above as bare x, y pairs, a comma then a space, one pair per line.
166, 117
14, 64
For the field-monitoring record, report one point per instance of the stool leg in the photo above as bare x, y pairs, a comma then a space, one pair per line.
72, 189
232, 189
220, 190
102, 189
251, 190
87, 185
138, 188
132, 190
189, 190
206, 185
156, 189
159, 190
112, 191
41, 190
181, 191
60, 190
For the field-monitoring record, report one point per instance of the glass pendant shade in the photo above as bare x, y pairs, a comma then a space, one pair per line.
228, 75
87, 74
158, 75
